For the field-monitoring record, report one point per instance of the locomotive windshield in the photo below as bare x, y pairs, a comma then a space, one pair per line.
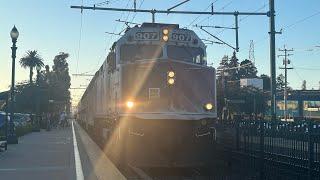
188, 54
131, 52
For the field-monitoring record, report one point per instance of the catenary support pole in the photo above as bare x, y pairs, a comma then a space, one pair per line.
272, 58
237, 30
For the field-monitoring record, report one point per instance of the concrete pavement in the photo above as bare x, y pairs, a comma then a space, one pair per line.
40, 155
51, 156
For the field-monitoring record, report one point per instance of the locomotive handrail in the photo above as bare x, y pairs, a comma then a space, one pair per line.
204, 134
215, 133
135, 133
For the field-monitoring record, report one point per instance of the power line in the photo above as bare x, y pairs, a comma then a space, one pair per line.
291, 25
223, 7
105, 3
295, 70
177, 5
110, 39
310, 69
192, 22
243, 18
136, 13
270, 14
79, 43
301, 20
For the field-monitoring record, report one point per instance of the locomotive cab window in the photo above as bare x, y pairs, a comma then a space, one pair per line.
188, 54
132, 52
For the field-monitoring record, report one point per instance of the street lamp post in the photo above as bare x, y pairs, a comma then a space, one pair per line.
12, 137
38, 114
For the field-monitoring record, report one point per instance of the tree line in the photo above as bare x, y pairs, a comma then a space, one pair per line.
247, 100
48, 91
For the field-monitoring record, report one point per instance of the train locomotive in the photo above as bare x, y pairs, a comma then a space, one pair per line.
153, 100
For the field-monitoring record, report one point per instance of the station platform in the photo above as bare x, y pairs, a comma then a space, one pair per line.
59, 154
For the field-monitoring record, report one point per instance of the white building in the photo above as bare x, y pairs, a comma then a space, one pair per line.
253, 82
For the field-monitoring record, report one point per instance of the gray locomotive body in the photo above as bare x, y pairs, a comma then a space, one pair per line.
152, 102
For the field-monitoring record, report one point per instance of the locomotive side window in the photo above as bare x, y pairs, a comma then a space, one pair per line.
132, 52
188, 54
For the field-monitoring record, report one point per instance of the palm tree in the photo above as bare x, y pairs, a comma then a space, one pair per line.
30, 60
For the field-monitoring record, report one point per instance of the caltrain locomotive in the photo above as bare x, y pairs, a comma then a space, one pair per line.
153, 100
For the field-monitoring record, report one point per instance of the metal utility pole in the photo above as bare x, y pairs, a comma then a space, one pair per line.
251, 52
272, 33
286, 61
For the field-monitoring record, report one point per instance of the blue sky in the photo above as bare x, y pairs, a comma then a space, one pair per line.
51, 27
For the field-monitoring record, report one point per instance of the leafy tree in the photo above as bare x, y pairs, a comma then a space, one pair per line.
228, 86
233, 67
60, 81
248, 69
31, 60
280, 82
53, 85
223, 65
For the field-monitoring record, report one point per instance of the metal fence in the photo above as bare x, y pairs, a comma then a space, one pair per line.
273, 149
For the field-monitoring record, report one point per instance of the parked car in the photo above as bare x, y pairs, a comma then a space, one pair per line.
21, 119
2, 118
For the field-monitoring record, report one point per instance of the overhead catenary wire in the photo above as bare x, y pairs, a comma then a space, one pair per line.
109, 40
193, 21
105, 3
136, 13
301, 20
222, 8
242, 18
309, 69
79, 42
292, 25
80, 38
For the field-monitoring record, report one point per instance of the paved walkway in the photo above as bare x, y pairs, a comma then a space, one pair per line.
40, 155
50, 155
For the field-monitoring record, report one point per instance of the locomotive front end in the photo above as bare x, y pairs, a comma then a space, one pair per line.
167, 97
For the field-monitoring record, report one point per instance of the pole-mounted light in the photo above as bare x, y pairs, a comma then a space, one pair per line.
14, 34
12, 137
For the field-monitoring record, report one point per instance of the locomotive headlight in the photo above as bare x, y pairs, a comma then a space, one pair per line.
171, 74
208, 106
165, 31
171, 81
171, 77
165, 38
130, 104
165, 35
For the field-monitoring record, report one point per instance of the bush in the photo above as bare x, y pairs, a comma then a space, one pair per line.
23, 130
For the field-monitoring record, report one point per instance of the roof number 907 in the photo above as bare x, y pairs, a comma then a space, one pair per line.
146, 36
181, 37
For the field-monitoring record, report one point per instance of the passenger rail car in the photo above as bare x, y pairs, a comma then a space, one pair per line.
152, 102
